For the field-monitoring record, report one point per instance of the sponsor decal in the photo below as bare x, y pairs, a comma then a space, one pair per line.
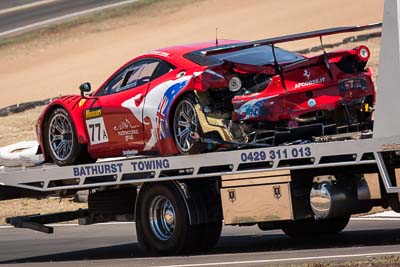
127, 130
148, 165
160, 53
254, 108
393, 146
307, 74
93, 113
310, 83
97, 169
352, 84
95, 126
312, 103
81, 102
130, 152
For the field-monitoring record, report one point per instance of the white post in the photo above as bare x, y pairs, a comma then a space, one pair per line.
387, 115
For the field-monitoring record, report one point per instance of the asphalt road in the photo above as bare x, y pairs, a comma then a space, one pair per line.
14, 18
106, 245
5, 4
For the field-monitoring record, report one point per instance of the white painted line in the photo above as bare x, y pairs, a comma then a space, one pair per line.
21, 7
285, 260
384, 214
375, 219
48, 21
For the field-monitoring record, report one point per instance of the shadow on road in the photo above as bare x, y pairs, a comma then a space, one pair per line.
233, 245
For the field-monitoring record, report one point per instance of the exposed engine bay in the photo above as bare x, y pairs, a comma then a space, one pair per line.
296, 102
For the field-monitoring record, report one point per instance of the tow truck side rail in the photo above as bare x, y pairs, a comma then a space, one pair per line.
153, 169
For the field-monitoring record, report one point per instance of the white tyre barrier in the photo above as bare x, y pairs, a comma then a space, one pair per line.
21, 154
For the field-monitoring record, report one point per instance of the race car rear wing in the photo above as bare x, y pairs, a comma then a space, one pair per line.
290, 38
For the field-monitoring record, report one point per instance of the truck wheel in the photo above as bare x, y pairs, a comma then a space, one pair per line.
185, 123
310, 227
209, 234
162, 223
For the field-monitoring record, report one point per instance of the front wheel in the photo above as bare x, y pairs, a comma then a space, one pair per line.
162, 223
60, 140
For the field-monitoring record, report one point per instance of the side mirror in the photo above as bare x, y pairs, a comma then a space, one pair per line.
85, 88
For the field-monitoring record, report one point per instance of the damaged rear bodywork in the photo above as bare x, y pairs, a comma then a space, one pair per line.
261, 94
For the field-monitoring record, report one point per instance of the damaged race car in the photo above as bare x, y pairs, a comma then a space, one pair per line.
202, 97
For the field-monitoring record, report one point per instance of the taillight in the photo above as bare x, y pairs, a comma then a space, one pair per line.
363, 53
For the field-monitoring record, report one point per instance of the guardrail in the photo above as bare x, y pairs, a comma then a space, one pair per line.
23, 106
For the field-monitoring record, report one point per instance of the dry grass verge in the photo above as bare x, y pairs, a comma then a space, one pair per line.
19, 127
389, 261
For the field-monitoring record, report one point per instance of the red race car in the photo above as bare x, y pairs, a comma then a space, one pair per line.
196, 98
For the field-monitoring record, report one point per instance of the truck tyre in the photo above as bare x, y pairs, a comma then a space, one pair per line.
311, 227
204, 194
209, 234
162, 221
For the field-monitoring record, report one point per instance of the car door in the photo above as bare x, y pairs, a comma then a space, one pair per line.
114, 121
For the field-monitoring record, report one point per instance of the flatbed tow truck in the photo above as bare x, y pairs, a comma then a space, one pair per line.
179, 203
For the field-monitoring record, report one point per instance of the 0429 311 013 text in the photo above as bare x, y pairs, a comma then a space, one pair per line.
276, 154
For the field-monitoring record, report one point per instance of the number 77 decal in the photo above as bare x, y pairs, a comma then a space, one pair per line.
97, 131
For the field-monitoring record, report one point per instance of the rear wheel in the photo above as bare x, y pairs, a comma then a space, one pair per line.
185, 125
312, 227
61, 142
163, 225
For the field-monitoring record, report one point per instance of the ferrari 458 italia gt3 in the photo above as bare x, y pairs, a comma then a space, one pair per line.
172, 100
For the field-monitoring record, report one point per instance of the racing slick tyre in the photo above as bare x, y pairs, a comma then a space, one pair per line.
61, 142
185, 124
311, 227
162, 221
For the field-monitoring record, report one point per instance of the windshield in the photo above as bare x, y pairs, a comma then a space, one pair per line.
260, 55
